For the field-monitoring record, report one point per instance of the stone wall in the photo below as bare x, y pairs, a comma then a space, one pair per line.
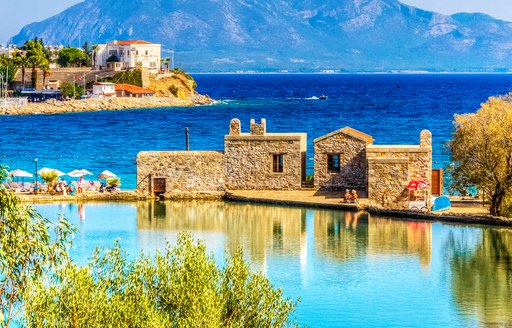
387, 165
248, 158
353, 167
186, 172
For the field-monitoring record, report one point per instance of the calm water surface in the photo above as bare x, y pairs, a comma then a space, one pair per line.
350, 270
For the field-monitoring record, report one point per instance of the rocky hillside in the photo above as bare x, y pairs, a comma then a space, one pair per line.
173, 85
349, 35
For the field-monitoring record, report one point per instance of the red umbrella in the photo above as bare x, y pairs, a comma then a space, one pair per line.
415, 184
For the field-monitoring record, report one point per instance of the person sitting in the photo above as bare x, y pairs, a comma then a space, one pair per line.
63, 187
348, 196
354, 196
81, 185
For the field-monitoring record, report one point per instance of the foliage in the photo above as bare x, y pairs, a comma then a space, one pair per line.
31, 247
88, 53
310, 177
179, 287
71, 57
10, 66
114, 181
70, 89
35, 57
481, 149
174, 89
49, 176
133, 76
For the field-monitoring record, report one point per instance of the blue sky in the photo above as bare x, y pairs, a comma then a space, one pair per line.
17, 13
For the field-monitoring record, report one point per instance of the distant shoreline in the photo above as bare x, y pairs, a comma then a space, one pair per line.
352, 73
99, 104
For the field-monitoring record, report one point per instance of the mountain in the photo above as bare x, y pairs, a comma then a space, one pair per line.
303, 35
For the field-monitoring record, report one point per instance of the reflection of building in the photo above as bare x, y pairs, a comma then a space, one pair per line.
127, 55
388, 236
271, 230
261, 230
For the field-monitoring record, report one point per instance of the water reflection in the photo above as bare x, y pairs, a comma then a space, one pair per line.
402, 273
272, 230
482, 275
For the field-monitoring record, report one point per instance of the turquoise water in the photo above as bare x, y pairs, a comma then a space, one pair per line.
391, 108
350, 270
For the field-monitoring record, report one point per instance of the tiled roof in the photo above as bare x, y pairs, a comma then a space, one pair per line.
133, 89
350, 132
127, 42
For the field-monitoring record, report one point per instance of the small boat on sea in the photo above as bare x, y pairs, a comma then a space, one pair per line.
323, 97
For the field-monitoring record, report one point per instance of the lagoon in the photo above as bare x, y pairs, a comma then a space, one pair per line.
349, 269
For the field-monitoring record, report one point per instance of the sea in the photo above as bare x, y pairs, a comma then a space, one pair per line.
392, 108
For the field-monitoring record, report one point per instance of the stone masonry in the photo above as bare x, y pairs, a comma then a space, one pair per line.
390, 168
186, 172
350, 145
248, 158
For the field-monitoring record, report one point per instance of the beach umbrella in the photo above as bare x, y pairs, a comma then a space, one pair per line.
20, 174
415, 184
79, 173
105, 175
46, 169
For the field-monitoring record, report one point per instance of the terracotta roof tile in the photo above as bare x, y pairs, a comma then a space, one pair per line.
127, 42
133, 89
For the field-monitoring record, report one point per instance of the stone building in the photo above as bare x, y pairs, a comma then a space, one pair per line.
254, 160
259, 160
391, 167
340, 160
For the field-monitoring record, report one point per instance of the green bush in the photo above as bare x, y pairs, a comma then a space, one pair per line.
174, 90
179, 287
114, 181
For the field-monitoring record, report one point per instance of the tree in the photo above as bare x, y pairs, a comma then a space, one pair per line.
35, 56
71, 90
8, 69
481, 150
21, 61
71, 57
31, 247
88, 54
179, 287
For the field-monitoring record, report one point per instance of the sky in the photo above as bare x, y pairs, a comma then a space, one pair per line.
17, 13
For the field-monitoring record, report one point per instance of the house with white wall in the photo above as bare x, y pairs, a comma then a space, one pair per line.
103, 90
128, 54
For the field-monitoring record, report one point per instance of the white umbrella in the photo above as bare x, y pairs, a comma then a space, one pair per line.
46, 169
105, 175
20, 173
79, 173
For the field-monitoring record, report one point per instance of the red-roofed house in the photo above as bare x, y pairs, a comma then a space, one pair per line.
126, 54
130, 90
103, 90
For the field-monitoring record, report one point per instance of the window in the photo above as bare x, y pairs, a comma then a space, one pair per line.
146, 52
333, 162
277, 163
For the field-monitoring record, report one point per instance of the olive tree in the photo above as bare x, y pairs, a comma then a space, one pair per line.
181, 286
30, 248
481, 150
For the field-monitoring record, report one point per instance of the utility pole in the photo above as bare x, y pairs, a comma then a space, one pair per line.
186, 137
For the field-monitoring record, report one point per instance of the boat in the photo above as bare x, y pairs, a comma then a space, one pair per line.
323, 97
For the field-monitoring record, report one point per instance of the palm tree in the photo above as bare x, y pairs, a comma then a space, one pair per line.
167, 60
36, 57
46, 72
21, 61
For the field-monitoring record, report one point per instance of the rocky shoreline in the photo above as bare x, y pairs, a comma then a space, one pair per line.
88, 105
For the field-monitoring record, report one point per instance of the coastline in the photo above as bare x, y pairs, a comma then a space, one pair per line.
465, 214
97, 104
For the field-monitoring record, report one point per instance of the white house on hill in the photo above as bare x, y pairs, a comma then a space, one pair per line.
127, 54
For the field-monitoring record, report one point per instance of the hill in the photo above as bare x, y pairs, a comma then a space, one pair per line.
303, 35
